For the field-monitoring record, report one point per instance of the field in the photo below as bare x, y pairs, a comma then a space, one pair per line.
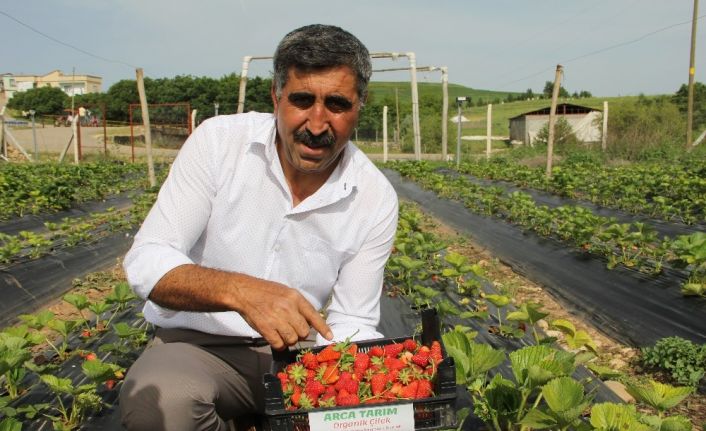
468, 245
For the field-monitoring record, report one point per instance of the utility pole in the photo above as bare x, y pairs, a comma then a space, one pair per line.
552, 119
488, 131
690, 103
73, 89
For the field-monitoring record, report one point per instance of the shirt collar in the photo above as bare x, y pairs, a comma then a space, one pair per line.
339, 185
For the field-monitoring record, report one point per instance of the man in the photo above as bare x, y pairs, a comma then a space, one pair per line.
263, 220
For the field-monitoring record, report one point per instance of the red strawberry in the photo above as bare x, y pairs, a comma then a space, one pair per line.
421, 358
435, 352
392, 363
309, 360
374, 400
328, 400
378, 383
353, 349
347, 382
91, 357
283, 378
410, 391
86, 333
424, 389
361, 364
410, 345
393, 350
376, 351
328, 354
110, 384
296, 396
328, 374
347, 399
313, 389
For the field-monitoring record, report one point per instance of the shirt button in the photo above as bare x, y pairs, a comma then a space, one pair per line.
277, 247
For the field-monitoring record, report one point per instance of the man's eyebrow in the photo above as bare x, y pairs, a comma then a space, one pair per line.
340, 101
300, 95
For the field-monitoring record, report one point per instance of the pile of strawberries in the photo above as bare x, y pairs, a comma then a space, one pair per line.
340, 375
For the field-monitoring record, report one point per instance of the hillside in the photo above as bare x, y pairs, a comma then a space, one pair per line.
380, 90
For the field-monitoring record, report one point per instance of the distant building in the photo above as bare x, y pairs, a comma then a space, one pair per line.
582, 119
70, 84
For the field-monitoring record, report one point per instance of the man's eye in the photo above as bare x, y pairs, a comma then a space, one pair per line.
338, 104
301, 100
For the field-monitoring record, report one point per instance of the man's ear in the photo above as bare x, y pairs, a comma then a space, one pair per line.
273, 94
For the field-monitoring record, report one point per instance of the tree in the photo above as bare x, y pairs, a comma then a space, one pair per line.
549, 89
44, 101
681, 98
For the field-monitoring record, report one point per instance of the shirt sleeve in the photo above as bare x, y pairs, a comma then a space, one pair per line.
354, 310
177, 219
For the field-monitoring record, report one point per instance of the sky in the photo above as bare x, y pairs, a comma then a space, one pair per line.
607, 47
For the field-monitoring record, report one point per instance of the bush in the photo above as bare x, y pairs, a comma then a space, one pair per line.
682, 359
564, 136
646, 129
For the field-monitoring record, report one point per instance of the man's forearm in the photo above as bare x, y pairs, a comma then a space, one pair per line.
196, 288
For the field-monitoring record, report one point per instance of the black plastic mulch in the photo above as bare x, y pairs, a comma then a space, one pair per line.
633, 308
671, 229
32, 222
30, 285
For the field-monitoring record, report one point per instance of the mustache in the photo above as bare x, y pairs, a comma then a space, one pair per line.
315, 141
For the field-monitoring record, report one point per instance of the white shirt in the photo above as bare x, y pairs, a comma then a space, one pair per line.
226, 205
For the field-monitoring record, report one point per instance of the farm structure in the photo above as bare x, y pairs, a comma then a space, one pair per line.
582, 119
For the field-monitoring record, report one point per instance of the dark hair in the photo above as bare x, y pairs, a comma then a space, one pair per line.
319, 46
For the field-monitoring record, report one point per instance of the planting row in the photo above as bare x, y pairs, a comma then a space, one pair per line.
28, 245
44, 384
672, 192
48, 187
632, 245
539, 388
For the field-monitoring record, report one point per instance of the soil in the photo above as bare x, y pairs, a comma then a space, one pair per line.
613, 354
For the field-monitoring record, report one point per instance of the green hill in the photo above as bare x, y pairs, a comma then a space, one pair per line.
381, 90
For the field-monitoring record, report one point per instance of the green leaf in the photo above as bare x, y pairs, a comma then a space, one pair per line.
659, 395
77, 300
564, 326
10, 424
99, 371
566, 399
455, 259
536, 419
56, 384
498, 300
581, 339
675, 423
605, 373
616, 417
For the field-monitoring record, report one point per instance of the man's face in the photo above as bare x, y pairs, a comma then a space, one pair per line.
316, 114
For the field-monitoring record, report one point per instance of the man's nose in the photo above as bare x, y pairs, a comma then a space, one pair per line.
318, 121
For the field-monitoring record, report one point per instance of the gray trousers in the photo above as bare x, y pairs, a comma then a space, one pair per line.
189, 380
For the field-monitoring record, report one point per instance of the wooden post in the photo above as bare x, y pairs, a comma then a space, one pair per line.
384, 134
488, 131
146, 122
552, 119
2, 135
75, 136
690, 101
604, 140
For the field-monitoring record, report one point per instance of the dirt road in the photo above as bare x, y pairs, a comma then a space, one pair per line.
51, 141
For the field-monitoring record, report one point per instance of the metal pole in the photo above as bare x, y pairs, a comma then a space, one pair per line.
458, 138
488, 131
444, 112
139, 73
604, 138
384, 134
215, 105
690, 103
415, 107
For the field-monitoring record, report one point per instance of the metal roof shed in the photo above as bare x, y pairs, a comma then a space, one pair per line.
582, 119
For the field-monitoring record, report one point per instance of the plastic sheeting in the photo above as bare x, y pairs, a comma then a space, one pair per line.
628, 306
26, 287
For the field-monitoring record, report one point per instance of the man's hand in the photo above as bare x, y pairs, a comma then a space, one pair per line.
279, 313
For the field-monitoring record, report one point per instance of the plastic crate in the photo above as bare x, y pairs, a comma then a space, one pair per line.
432, 413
